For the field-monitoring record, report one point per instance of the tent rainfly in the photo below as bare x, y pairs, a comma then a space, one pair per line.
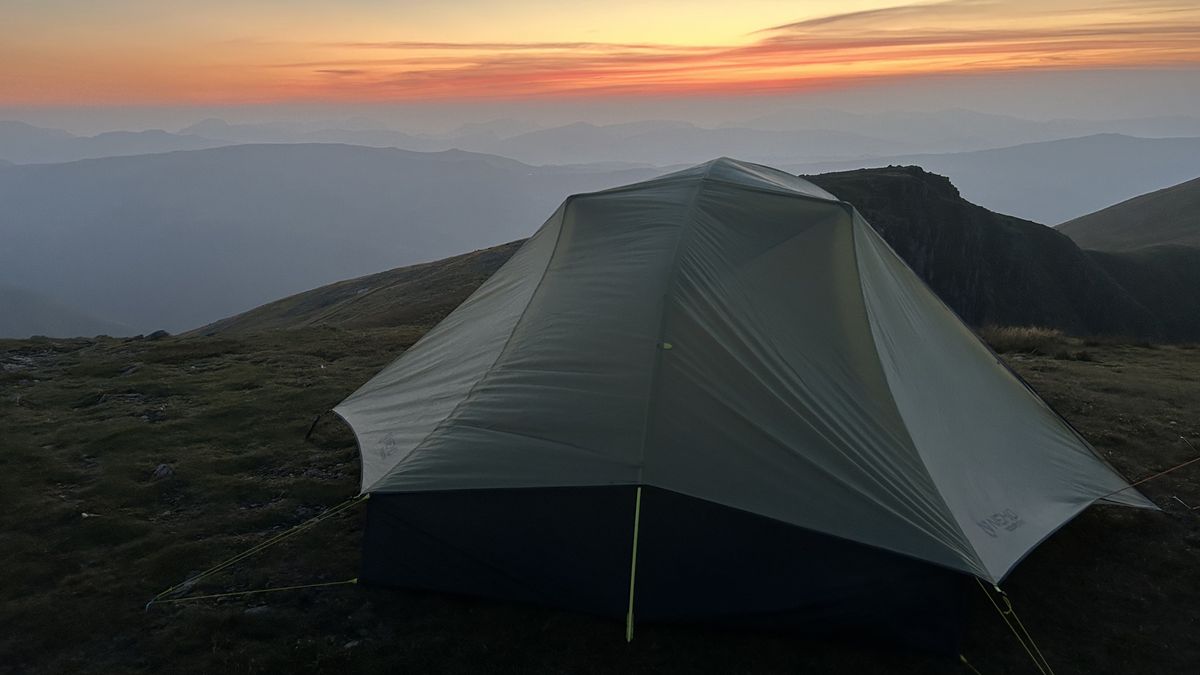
715, 395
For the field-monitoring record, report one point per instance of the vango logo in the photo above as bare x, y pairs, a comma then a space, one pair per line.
1003, 521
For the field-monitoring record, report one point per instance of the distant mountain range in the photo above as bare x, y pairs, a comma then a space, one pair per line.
22, 143
1167, 216
24, 313
179, 239
670, 143
1053, 181
1048, 181
990, 268
788, 136
956, 130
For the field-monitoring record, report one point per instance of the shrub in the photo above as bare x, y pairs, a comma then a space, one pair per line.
1027, 339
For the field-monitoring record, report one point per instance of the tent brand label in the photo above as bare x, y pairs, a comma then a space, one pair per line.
389, 447
1003, 521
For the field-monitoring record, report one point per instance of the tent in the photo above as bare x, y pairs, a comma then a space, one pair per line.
715, 395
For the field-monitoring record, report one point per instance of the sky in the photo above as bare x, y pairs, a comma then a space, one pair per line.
184, 53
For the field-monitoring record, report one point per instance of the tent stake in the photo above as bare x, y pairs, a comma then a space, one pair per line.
312, 427
637, 517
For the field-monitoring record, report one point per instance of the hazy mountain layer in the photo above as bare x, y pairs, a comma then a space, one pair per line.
24, 313
1167, 216
22, 143
179, 239
957, 129
787, 136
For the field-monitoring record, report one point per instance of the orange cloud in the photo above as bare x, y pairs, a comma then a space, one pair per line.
952, 36
957, 36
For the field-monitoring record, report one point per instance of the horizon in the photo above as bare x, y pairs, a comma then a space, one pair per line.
1047, 111
127, 64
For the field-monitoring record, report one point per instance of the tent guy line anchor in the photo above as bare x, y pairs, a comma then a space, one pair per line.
297, 529
1160, 474
1023, 636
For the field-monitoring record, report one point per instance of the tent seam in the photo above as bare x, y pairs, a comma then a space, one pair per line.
503, 349
686, 229
948, 512
1092, 452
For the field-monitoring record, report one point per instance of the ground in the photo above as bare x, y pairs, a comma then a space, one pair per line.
85, 424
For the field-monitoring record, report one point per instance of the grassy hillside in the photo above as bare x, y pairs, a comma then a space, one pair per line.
408, 295
88, 422
1165, 279
1167, 216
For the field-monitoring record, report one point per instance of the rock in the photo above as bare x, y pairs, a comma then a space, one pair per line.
158, 335
163, 471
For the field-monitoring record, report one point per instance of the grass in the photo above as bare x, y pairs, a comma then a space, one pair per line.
84, 424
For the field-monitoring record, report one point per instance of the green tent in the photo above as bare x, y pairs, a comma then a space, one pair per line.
733, 363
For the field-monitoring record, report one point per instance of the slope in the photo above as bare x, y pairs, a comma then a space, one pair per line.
1167, 216
419, 295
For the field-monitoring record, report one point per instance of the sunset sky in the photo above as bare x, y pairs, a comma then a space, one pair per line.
169, 52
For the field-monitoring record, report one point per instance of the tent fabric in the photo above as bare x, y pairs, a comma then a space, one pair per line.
733, 334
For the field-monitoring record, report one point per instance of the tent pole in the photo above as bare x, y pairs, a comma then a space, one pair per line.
637, 518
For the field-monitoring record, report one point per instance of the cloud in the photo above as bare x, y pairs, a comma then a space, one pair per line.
939, 37
950, 36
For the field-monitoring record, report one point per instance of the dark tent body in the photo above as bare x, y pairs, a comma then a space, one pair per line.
718, 396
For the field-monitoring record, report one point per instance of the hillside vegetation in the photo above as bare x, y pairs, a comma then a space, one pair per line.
129, 465
1162, 217
404, 296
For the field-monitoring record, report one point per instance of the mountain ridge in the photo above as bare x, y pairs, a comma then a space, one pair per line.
1051, 181
1167, 216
